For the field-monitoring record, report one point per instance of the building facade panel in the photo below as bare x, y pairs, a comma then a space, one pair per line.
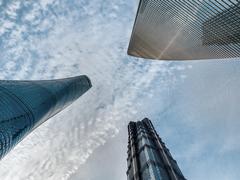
186, 30
24, 105
152, 159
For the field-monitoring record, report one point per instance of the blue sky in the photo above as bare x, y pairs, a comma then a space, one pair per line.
194, 105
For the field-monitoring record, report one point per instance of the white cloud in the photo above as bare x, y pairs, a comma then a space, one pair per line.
45, 3
82, 41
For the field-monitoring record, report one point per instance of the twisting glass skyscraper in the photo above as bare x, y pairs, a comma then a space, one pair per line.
24, 105
148, 157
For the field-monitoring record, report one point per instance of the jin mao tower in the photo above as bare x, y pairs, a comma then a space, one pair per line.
148, 157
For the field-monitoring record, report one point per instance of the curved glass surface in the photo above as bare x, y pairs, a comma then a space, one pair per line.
24, 105
186, 30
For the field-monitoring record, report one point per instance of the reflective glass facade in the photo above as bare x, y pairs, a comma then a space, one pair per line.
186, 30
148, 157
24, 105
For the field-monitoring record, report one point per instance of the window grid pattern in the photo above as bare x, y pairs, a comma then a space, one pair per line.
147, 160
186, 30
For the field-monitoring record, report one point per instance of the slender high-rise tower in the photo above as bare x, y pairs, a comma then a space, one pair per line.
148, 157
186, 30
24, 105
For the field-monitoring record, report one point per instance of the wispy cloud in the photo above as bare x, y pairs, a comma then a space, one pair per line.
61, 38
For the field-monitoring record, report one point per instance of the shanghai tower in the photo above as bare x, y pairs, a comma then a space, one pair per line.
148, 157
24, 105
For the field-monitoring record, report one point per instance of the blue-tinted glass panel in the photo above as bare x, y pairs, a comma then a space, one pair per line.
26, 104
